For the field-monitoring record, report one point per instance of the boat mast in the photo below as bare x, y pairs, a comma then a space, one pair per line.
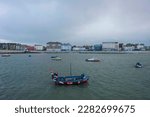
70, 70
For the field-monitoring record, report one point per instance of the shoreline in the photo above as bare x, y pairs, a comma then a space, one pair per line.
80, 52
115, 52
17, 52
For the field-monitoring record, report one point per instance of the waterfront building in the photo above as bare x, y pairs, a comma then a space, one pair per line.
121, 46
147, 48
98, 47
78, 48
140, 47
39, 47
29, 48
110, 46
53, 46
20, 47
88, 47
129, 47
134, 47
3, 46
10, 46
66, 47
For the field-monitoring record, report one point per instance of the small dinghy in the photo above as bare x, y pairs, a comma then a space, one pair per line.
55, 58
92, 60
5, 55
138, 65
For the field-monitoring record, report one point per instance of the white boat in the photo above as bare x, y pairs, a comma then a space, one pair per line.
138, 65
92, 60
5, 55
55, 58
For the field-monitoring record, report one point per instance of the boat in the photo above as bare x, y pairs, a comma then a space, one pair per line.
69, 80
5, 55
55, 58
138, 65
92, 60
29, 56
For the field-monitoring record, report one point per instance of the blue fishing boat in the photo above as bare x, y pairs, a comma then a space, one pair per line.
69, 80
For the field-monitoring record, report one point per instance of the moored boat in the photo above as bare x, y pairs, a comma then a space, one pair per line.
5, 55
69, 80
92, 60
138, 65
55, 58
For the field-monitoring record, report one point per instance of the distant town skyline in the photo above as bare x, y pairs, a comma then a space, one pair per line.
77, 22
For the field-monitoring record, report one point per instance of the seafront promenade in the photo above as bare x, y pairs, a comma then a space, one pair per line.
17, 52
115, 52
81, 52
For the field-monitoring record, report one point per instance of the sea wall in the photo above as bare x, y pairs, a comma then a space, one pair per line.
81, 52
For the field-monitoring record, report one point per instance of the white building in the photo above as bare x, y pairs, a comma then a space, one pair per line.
129, 48
66, 47
110, 46
39, 47
140, 47
53, 46
79, 48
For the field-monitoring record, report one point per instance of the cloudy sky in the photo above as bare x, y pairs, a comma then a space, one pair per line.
75, 21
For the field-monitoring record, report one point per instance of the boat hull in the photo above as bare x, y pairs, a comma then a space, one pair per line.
138, 65
5, 55
71, 83
88, 60
57, 59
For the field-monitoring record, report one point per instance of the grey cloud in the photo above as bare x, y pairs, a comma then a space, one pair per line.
75, 21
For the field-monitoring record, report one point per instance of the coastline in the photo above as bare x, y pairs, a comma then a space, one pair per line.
17, 52
80, 52
115, 52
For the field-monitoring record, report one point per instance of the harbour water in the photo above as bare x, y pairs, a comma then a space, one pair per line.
115, 77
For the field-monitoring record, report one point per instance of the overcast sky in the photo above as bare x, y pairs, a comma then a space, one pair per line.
75, 21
